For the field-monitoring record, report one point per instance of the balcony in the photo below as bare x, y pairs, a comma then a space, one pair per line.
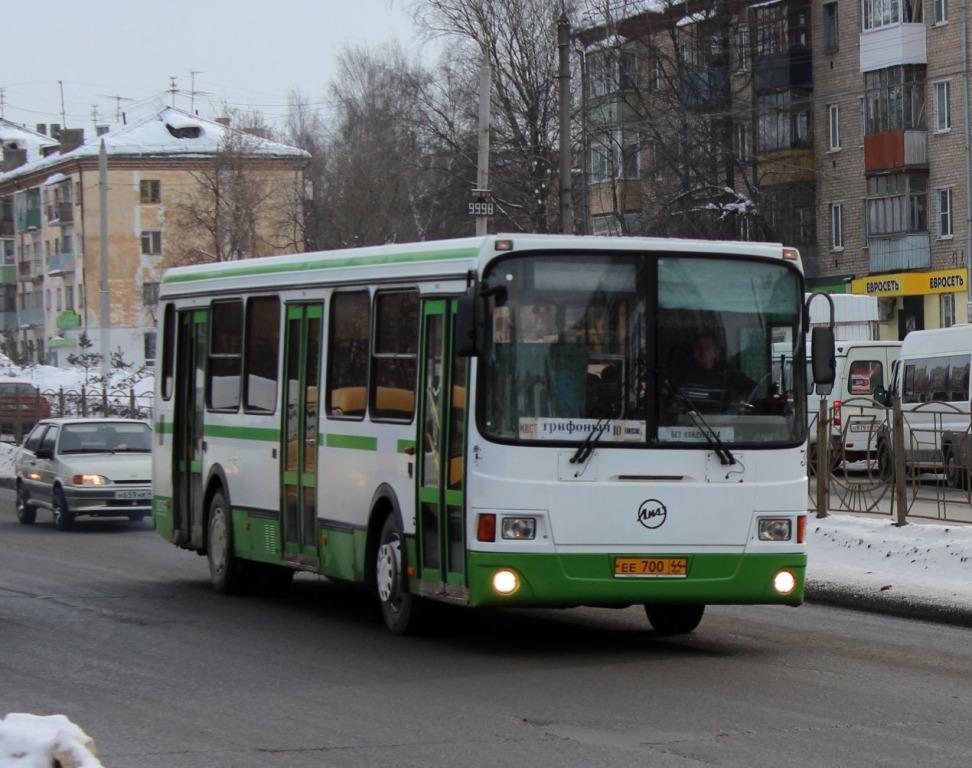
704, 87
900, 253
30, 317
27, 220
893, 46
6, 227
60, 213
28, 271
603, 195
783, 166
784, 70
894, 150
8, 321
60, 263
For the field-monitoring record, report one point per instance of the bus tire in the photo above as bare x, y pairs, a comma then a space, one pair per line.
674, 619
225, 571
63, 519
26, 512
399, 609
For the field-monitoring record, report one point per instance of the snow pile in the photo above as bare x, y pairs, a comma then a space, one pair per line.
42, 741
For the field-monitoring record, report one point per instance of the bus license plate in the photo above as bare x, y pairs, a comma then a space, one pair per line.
133, 494
651, 567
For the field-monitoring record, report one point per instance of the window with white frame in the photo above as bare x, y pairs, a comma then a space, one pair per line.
837, 226
834, 127
939, 11
948, 309
151, 242
654, 73
943, 109
888, 13
945, 224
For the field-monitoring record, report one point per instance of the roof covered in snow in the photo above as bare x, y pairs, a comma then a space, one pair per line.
169, 133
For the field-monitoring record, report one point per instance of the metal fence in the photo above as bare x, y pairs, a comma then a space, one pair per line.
85, 401
914, 463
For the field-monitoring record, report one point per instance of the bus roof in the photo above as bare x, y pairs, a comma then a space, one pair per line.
444, 259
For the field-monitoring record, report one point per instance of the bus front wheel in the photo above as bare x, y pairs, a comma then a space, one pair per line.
674, 619
225, 571
398, 608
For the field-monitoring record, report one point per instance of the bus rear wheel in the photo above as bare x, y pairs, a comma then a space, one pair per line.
399, 609
674, 619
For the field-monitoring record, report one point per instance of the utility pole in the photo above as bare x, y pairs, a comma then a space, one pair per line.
482, 205
103, 222
566, 185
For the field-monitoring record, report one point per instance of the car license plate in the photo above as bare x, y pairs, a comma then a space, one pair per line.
133, 494
861, 426
651, 567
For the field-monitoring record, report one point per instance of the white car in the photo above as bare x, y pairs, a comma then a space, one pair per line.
101, 467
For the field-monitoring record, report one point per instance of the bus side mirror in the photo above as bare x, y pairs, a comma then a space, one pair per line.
470, 322
823, 356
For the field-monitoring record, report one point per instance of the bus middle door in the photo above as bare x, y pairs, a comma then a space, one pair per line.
441, 456
188, 428
299, 434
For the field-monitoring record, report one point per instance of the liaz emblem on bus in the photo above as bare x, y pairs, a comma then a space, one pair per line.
652, 513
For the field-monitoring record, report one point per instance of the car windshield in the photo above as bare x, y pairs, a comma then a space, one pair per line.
627, 349
108, 437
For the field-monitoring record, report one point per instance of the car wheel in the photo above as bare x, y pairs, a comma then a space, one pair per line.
26, 512
399, 609
226, 572
63, 519
674, 619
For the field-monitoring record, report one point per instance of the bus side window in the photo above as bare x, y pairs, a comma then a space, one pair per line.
347, 359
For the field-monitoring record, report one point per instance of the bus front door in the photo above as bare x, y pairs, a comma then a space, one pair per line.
188, 424
441, 447
299, 434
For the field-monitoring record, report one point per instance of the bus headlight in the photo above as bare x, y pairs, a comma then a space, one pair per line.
784, 582
775, 529
505, 582
519, 527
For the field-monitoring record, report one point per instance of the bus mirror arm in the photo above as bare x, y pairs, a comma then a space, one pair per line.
471, 316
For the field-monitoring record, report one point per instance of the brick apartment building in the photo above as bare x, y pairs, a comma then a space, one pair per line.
840, 127
52, 281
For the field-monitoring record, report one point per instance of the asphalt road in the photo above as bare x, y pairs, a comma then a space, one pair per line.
119, 631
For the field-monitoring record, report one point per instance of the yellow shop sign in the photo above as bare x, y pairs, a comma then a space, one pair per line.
913, 283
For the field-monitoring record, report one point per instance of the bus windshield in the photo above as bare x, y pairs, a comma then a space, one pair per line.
633, 350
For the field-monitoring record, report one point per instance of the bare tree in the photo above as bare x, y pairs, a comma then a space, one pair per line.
239, 205
519, 40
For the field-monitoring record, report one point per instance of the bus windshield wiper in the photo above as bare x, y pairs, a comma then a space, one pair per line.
585, 449
692, 411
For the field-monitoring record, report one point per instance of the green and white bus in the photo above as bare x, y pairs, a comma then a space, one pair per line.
495, 421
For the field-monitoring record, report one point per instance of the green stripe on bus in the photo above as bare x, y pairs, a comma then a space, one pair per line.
404, 445
306, 266
353, 442
243, 433
163, 427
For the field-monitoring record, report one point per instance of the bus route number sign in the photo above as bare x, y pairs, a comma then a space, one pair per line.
481, 204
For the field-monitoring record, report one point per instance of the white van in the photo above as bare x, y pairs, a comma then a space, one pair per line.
862, 366
932, 378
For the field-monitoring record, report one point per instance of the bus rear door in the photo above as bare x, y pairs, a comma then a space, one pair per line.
441, 455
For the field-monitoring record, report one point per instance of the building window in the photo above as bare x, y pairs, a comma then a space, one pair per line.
896, 203
783, 121
149, 347
948, 309
149, 192
888, 13
837, 227
945, 225
939, 11
895, 98
612, 70
151, 242
943, 110
834, 127
150, 294
830, 27
740, 49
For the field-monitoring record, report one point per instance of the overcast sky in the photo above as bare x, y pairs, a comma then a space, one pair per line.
247, 53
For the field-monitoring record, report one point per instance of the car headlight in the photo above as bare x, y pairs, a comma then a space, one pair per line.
775, 529
90, 480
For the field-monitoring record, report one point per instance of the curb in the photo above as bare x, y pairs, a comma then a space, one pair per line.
886, 603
